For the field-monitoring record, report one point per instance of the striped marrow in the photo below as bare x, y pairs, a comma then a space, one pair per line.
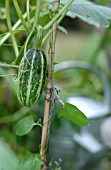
32, 77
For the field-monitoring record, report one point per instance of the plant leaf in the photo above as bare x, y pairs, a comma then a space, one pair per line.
91, 13
73, 114
55, 63
44, 12
50, 1
30, 162
63, 29
24, 125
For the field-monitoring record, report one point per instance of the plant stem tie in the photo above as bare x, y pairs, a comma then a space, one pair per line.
49, 90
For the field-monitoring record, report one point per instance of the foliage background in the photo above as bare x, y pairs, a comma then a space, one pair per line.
82, 43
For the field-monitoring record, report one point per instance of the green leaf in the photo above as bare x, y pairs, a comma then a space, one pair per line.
31, 162
62, 29
50, 1
55, 63
91, 13
71, 14
44, 12
73, 114
24, 125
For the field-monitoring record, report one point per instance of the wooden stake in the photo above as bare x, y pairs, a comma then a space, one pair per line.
49, 102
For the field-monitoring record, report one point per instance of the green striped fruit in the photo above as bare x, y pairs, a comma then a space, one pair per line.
32, 77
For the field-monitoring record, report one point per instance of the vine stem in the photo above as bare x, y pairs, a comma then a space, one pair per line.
28, 13
20, 15
15, 116
38, 4
37, 13
49, 95
8, 65
16, 25
58, 15
7, 2
50, 31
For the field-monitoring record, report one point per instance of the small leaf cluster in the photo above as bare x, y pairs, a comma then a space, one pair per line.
31, 162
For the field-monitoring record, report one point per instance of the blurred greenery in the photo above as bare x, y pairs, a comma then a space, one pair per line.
81, 44
7, 155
